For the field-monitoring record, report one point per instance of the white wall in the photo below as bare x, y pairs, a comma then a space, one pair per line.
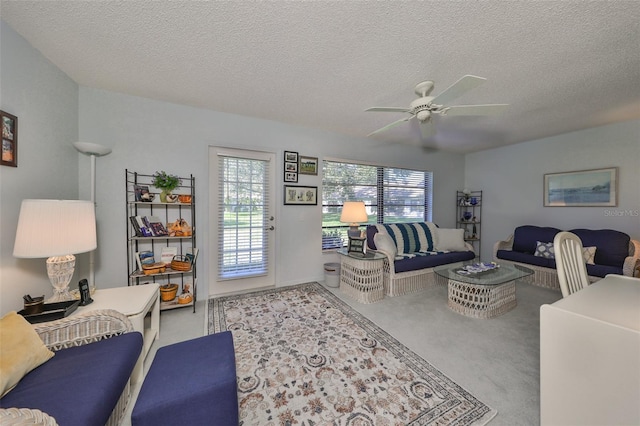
45, 101
512, 180
148, 135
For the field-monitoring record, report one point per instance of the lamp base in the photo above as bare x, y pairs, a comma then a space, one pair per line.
354, 231
60, 270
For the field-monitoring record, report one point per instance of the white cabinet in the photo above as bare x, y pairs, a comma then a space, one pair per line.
590, 355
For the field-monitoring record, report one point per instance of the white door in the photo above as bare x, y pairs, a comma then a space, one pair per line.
241, 220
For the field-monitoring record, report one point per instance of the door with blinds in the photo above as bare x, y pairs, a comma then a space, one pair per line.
241, 220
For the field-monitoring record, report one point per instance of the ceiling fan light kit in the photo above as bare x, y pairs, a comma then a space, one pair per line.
424, 107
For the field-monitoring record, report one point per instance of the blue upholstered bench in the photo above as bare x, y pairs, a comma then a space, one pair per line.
190, 383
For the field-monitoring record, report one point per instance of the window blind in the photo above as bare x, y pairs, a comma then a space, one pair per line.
391, 195
243, 217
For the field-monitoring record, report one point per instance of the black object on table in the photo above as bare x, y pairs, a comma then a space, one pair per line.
52, 311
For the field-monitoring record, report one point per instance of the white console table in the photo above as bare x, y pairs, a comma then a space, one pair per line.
137, 303
590, 355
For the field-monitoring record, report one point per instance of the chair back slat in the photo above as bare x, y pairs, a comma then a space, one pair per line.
570, 263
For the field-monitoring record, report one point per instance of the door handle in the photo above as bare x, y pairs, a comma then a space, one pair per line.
271, 228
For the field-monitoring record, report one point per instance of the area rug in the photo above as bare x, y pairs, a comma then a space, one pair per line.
304, 357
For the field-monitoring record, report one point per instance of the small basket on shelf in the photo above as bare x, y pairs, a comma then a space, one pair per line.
154, 268
168, 292
180, 263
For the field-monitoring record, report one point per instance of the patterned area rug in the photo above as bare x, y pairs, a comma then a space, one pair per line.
304, 357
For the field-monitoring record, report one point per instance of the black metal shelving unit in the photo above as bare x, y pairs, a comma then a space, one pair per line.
167, 213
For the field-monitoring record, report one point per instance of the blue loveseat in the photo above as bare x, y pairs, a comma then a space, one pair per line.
411, 252
86, 382
615, 253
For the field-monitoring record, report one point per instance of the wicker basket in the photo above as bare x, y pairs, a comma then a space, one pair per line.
154, 268
180, 263
168, 292
185, 298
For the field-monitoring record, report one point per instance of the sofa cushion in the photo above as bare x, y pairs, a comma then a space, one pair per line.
545, 250
21, 350
451, 240
588, 254
384, 242
411, 237
80, 385
515, 256
612, 246
430, 261
596, 270
525, 237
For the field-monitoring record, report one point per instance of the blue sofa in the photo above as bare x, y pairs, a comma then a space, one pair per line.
616, 252
409, 267
87, 381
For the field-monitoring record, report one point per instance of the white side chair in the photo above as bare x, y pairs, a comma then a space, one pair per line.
570, 264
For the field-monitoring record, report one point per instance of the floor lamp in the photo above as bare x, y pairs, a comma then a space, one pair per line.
93, 150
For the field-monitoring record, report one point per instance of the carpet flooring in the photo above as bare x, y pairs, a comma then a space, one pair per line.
305, 357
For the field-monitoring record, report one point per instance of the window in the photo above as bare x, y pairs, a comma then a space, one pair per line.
391, 195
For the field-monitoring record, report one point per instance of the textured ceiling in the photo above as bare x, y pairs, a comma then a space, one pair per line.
562, 66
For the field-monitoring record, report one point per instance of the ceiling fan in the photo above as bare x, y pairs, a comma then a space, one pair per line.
426, 106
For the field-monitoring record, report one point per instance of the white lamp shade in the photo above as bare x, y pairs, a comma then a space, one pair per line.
353, 212
55, 228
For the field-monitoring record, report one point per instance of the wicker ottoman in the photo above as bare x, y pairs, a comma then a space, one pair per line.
190, 383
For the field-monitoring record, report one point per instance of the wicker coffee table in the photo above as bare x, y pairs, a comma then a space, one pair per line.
483, 295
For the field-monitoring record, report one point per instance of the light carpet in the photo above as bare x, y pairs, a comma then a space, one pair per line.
304, 357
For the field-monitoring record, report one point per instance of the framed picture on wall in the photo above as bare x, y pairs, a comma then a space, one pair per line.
290, 177
9, 139
300, 195
308, 165
291, 167
290, 157
582, 188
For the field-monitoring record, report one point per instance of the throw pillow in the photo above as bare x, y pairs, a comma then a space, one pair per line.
21, 350
451, 240
589, 254
385, 243
545, 250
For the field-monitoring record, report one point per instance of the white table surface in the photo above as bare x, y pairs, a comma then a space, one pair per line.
614, 299
129, 300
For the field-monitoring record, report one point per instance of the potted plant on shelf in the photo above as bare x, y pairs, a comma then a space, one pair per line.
166, 183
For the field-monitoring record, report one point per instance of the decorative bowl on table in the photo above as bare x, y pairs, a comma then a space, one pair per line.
184, 198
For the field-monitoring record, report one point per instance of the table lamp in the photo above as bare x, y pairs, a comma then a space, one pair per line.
56, 229
353, 213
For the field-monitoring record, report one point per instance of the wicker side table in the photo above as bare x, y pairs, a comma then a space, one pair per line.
361, 277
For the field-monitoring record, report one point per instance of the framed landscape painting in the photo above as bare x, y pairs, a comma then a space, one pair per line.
308, 165
582, 188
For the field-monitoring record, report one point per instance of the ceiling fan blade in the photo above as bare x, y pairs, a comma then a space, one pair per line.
394, 124
491, 109
458, 88
427, 129
388, 109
